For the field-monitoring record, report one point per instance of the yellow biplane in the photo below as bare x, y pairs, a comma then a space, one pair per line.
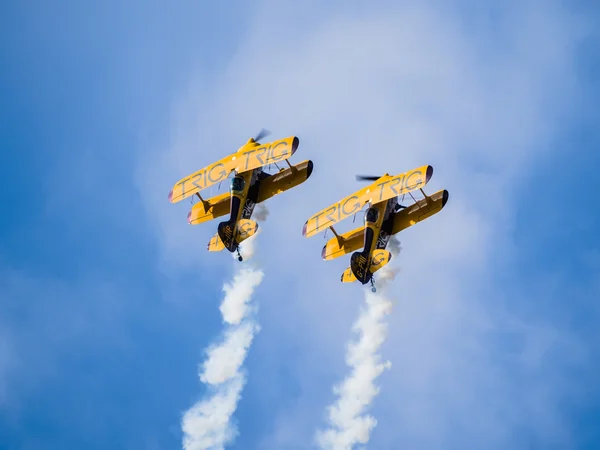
383, 218
249, 185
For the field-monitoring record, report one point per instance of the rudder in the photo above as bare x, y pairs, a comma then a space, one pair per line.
358, 266
225, 233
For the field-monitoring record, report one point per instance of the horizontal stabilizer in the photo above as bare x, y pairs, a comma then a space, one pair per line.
348, 276
379, 258
215, 244
209, 209
245, 229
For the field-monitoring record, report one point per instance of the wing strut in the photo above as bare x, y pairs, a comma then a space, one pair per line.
207, 205
337, 236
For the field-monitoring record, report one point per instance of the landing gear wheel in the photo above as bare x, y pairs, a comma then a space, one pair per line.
239, 256
373, 285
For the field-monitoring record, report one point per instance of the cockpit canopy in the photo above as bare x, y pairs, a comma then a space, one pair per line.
371, 215
237, 184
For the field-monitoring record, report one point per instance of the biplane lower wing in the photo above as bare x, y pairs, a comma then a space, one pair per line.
284, 180
420, 211
209, 209
381, 190
346, 243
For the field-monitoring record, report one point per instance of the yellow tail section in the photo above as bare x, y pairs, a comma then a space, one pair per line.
348, 276
346, 243
209, 209
215, 244
379, 258
245, 229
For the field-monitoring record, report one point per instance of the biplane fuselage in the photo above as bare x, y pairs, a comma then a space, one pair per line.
383, 219
249, 186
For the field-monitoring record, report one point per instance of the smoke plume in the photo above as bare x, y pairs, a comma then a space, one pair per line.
348, 423
261, 213
207, 424
394, 246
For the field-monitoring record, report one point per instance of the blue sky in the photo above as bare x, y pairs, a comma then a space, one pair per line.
108, 297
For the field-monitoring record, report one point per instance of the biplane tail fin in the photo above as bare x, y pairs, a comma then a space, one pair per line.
359, 268
225, 231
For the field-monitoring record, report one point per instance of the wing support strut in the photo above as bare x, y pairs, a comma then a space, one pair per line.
337, 236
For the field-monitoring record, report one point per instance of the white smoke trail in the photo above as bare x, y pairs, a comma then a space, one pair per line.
349, 425
207, 424
261, 213
247, 248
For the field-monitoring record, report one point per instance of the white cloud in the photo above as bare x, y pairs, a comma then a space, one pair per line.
479, 96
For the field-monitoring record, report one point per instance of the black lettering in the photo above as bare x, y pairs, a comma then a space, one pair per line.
416, 172
382, 185
196, 179
396, 181
182, 183
248, 158
328, 216
261, 151
222, 174
317, 220
355, 208
281, 155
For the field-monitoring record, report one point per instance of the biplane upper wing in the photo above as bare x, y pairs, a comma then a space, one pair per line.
383, 189
203, 178
248, 157
254, 155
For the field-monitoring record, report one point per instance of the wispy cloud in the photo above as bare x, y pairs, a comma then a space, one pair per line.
479, 93
208, 425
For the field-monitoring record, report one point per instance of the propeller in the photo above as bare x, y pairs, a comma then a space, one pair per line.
261, 134
367, 177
